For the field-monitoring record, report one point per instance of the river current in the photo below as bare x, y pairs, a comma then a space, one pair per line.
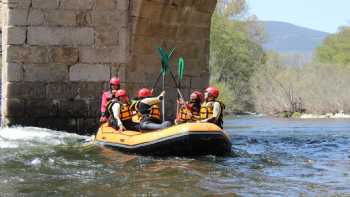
271, 157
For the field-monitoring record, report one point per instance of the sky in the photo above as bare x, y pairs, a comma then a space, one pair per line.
323, 15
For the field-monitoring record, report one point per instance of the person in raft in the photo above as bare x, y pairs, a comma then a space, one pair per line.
114, 85
136, 115
189, 112
148, 107
212, 109
119, 113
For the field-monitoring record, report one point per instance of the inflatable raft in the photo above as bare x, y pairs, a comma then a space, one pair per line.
188, 139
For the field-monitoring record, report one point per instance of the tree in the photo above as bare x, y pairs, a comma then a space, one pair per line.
335, 48
313, 88
235, 51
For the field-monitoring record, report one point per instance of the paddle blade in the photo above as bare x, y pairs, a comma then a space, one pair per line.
181, 68
171, 53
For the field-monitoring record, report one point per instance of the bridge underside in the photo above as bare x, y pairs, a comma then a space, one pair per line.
59, 54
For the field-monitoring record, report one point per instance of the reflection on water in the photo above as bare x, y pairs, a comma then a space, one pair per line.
271, 157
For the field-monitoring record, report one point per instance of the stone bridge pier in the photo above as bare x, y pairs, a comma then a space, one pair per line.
58, 55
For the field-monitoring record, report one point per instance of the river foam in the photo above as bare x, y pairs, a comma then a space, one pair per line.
15, 137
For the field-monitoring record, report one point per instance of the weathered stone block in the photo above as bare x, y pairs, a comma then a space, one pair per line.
16, 17
21, 54
123, 5
16, 3
89, 72
77, 4
171, 16
205, 5
65, 55
124, 42
200, 82
106, 36
14, 72
185, 82
73, 108
151, 11
101, 55
193, 67
159, 30
105, 4
147, 63
137, 77
13, 107
145, 45
61, 18
190, 33
83, 18
45, 4
181, 3
45, 72
200, 19
16, 35
62, 90
36, 17
109, 18
41, 108
166, 31
60, 36
146, 8
90, 90
119, 70
143, 27
94, 108
189, 49
27, 90
75, 90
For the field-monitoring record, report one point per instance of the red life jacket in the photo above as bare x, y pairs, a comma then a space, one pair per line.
106, 97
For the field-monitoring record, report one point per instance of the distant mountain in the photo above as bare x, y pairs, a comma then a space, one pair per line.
287, 38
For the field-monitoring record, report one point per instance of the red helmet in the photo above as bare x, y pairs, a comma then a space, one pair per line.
196, 95
121, 93
144, 92
114, 81
213, 91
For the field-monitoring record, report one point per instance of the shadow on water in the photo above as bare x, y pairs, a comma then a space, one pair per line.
270, 157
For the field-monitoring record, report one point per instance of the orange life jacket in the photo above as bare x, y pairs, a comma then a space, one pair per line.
124, 111
207, 110
188, 113
136, 115
153, 112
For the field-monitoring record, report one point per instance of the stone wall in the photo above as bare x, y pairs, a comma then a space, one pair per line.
59, 54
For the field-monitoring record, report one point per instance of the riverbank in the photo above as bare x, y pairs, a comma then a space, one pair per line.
328, 115
295, 115
298, 115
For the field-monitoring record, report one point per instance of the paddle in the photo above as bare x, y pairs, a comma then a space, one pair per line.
180, 70
165, 69
180, 73
165, 58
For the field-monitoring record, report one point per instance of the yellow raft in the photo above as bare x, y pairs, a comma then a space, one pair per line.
187, 139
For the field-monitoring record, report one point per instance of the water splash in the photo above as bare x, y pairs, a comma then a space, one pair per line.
17, 137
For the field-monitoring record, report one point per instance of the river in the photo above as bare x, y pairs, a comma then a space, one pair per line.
271, 157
